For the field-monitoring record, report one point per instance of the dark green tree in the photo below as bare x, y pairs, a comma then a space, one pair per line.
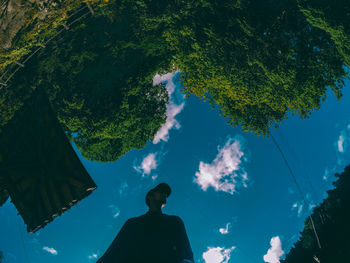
256, 60
98, 77
3, 195
331, 220
1, 256
332, 17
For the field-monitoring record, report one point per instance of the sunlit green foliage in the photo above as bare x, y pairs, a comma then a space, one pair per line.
331, 220
99, 81
35, 31
334, 18
256, 60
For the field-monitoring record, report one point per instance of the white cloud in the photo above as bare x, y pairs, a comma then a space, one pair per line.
275, 252
51, 250
148, 164
123, 187
329, 172
93, 256
340, 144
171, 112
325, 175
172, 109
311, 206
298, 207
225, 230
225, 172
217, 254
310, 202
154, 177
158, 79
115, 211
343, 140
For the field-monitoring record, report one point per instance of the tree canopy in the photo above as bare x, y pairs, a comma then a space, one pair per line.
99, 81
332, 17
3, 195
331, 219
256, 60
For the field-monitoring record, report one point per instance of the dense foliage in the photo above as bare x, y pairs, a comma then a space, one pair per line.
99, 81
334, 18
101, 86
256, 60
331, 220
3, 195
28, 24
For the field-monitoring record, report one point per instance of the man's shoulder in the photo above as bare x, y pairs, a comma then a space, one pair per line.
174, 218
136, 219
170, 218
133, 219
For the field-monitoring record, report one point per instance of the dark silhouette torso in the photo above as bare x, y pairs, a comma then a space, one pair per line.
152, 237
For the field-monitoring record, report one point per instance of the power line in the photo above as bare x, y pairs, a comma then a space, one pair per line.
314, 193
41, 46
298, 187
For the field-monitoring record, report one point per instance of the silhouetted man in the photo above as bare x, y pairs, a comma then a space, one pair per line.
153, 237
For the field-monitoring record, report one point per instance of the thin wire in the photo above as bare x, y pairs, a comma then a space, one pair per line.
13, 73
298, 187
314, 193
3, 75
76, 11
79, 18
29, 57
58, 32
45, 43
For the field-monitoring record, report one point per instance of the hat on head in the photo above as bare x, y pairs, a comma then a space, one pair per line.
162, 188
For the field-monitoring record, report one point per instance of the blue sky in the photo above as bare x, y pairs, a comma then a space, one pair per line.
226, 221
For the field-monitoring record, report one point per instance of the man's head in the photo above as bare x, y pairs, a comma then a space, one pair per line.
156, 197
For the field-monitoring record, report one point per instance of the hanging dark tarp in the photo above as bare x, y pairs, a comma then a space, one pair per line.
39, 168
